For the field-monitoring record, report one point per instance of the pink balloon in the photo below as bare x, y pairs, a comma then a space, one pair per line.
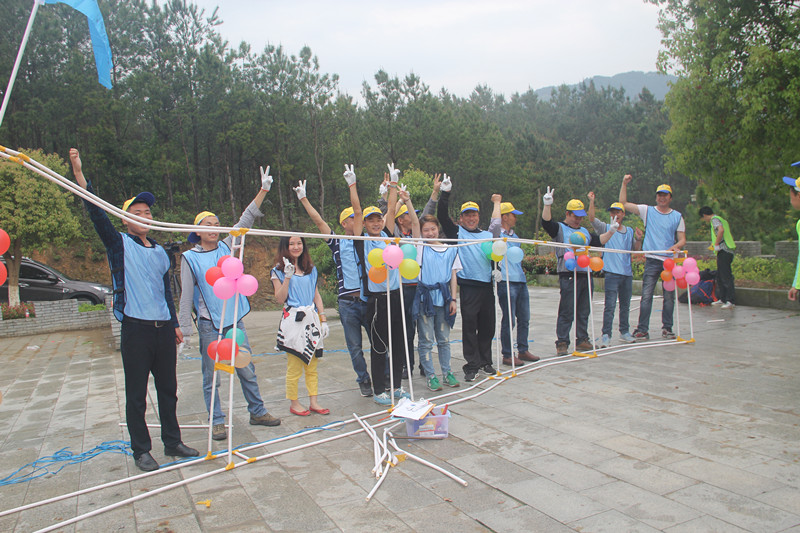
392, 256
224, 288
232, 268
693, 277
689, 264
678, 272
669, 285
247, 285
569, 255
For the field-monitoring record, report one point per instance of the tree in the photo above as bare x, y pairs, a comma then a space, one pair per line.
36, 213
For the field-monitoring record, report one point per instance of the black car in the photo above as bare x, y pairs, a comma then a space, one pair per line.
39, 282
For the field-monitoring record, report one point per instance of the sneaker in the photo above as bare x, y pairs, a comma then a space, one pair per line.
717, 302
488, 370
584, 345
366, 388
404, 375
451, 381
421, 371
265, 420
382, 398
603, 342
728, 305
434, 384
218, 432
562, 348
627, 337
641, 335
667, 333
401, 393
470, 375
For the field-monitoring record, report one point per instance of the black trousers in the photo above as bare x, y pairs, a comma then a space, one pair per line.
378, 317
409, 293
477, 322
149, 350
725, 291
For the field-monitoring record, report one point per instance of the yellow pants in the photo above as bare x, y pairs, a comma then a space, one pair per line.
294, 369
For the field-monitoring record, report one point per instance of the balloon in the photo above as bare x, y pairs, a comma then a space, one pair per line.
515, 254
678, 272
499, 248
569, 255
212, 350
224, 288
222, 260
496, 258
570, 263
3, 273
669, 264
5, 242
409, 268
669, 286
692, 278
666, 275
247, 285
213, 274
487, 248
241, 336
242, 360
577, 238
377, 274
375, 257
596, 263
409, 251
392, 256
232, 268
690, 263
680, 282
224, 349
583, 261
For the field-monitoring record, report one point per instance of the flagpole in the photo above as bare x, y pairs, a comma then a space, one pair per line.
7, 96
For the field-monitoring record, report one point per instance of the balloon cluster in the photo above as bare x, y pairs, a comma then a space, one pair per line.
5, 242
227, 279
497, 250
402, 258
680, 276
580, 258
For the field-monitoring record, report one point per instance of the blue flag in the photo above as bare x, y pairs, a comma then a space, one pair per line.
97, 30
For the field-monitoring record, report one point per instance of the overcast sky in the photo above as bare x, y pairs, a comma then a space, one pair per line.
509, 45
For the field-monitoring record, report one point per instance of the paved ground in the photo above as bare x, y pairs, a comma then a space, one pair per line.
692, 437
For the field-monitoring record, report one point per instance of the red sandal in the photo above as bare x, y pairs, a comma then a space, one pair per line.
322, 411
299, 413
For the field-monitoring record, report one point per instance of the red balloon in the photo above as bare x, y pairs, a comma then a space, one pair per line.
3, 273
213, 274
5, 242
212, 350
222, 260
681, 283
226, 348
669, 264
583, 261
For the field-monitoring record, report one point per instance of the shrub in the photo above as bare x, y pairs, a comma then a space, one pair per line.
769, 271
85, 307
539, 264
18, 311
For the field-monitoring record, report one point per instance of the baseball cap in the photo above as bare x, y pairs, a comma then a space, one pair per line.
193, 237
664, 188
345, 214
508, 207
576, 206
792, 182
470, 206
372, 210
616, 205
403, 210
146, 197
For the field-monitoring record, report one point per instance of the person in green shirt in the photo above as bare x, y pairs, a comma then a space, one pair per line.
723, 244
794, 199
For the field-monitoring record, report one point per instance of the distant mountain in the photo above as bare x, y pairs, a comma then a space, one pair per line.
632, 82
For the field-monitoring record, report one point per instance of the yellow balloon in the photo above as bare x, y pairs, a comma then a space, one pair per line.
496, 258
409, 268
375, 257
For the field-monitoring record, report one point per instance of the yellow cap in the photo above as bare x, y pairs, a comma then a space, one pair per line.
470, 206
372, 210
576, 206
664, 188
345, 214
402, 211
145, 197
508, 207
616, 205
200, 216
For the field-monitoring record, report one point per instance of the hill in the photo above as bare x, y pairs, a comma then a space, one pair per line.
632, 82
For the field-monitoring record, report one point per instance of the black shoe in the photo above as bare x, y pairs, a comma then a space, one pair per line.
146, 462
488, 370
421, 371
470, 375
366, 389
404, 375
181, 450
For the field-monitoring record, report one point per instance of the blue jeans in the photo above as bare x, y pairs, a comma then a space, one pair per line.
430, 327
566, 308
247, 375
353, 316
520, 315
617, 284
652, 274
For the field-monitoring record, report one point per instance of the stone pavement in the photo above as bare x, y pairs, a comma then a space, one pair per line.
677, 437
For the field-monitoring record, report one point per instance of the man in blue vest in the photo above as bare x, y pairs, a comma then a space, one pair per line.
475, 282
149, 332
197, 294
664, 232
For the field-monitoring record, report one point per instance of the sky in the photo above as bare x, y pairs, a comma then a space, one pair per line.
509, 45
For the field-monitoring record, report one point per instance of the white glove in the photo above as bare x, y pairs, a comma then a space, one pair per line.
446, 185
383, 189
614, 226
266, 179
498, 276
300, 190
394, 174
288, 268
716, 247
323, 326
349, 175
547, 199
402, 188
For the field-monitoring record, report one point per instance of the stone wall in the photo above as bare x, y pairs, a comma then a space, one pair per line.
786, 250
59, 315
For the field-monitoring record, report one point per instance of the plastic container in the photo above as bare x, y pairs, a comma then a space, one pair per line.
433, 426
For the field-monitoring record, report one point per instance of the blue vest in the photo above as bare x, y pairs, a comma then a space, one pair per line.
392, 275
301, 288
514, 269
351, 270
200, 262
566, 232
476, 266
144, 281
659, 230
437, 267
619, 263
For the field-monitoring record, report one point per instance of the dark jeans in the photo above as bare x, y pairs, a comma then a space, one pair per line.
477, 323
409, 292
651, 276
725, 290
566, 308
353, 315
617, 284
149, 350
520, 316
378, 314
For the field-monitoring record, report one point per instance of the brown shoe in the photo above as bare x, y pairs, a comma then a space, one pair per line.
562, 348
584, 345
517, 361
218, 432
528, 356
264, 420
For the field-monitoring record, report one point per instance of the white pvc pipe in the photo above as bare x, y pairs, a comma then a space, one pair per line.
18, 61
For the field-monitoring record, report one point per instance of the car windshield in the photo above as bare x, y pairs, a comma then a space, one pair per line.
40, 265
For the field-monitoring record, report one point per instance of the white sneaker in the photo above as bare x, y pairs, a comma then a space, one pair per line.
717, 302
728, 305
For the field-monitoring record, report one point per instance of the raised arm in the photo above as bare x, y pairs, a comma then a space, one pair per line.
391, 200
630, 207
496, 225
449, 228
412, 213
316, 218
111, 238
590, 211
355, 202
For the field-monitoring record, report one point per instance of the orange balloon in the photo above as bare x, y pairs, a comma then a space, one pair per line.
596, 263
583, 261
666, 275
377, 274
